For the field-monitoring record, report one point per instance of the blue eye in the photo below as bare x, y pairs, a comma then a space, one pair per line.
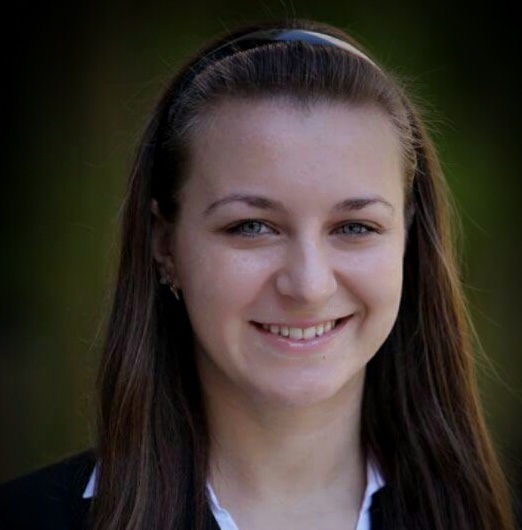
249, 228
354, 229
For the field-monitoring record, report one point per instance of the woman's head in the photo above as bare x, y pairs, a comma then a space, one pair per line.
309, 122
235, 89
270, 118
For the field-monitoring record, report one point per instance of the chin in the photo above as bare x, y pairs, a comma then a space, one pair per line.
307, 394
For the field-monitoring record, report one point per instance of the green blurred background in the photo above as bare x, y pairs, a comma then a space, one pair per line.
80, 79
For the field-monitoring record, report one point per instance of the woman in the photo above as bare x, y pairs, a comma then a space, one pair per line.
288, 346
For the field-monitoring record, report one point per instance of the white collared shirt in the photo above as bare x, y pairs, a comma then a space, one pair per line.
374, 482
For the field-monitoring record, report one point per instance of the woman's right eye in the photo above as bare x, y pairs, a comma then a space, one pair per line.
249, 228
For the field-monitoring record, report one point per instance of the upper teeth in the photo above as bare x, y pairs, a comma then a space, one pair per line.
300, 333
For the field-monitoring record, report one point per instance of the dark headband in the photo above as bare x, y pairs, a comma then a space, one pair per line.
260, 37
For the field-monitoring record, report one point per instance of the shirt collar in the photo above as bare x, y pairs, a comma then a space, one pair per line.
374, 482
91, 485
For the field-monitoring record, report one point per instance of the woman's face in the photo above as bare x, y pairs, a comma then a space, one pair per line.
291, 224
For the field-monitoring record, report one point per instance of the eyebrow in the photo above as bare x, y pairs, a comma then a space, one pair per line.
257, 201
264, 203
358, 203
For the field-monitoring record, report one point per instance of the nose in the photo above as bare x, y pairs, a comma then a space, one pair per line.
307, 276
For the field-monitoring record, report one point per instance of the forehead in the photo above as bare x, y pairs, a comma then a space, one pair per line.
280, 146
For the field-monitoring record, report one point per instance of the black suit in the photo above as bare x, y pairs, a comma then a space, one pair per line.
51, 499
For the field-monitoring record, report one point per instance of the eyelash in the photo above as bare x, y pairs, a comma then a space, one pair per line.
366, 229
237, 229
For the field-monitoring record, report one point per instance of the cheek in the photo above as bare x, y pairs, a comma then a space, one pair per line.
375, 281
375, 278
216, 281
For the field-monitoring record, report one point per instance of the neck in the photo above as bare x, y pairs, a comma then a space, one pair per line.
264, 452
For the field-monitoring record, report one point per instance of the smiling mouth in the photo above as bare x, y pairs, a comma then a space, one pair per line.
303, 334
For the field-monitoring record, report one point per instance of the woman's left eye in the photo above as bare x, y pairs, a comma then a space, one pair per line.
354, 229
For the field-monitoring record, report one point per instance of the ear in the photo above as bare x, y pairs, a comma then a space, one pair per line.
162, 234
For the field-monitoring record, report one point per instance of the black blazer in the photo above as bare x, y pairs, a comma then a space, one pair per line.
51, 499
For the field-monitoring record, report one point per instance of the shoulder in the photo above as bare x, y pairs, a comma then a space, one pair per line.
50, 498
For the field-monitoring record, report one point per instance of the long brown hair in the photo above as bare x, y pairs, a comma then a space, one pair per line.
421, 417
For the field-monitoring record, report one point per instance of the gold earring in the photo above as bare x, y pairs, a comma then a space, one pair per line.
176, 291
166, 280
